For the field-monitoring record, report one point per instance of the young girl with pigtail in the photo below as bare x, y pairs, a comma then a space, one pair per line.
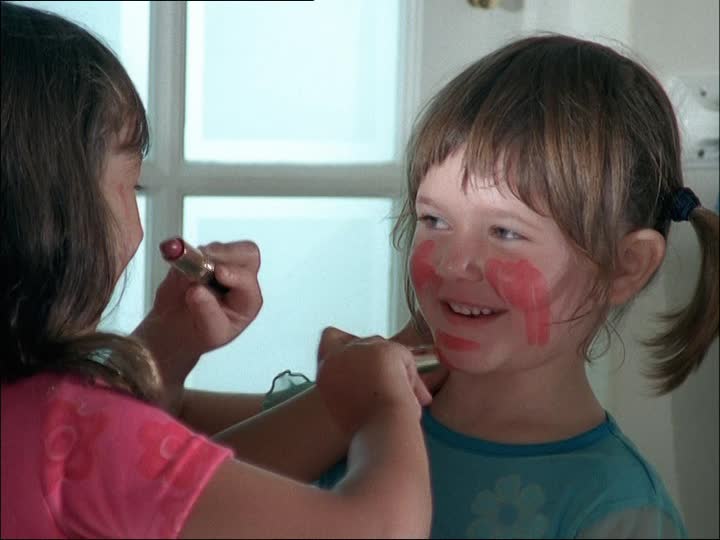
541, 185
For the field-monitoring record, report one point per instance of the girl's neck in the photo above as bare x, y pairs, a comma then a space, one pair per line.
544, 404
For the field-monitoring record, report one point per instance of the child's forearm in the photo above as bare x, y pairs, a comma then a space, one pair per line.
388, 471
211, 412
297, 438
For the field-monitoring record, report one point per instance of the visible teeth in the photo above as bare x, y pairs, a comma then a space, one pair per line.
464, 309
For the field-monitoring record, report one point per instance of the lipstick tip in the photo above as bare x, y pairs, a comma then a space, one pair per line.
172, 248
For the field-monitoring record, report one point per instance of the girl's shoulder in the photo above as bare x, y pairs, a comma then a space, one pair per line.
624, 494
108, 464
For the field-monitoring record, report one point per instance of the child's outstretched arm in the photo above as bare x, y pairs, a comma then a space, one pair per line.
297, 438
386, 492
212, 412
176, 334
270, 439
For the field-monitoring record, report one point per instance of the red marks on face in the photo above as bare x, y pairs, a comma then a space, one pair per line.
523, 286
455, 343
422, 271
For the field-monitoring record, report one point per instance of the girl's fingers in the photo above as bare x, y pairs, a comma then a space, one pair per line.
421, 392
332, 339
243, 254
418, 386
207, 311
243, 301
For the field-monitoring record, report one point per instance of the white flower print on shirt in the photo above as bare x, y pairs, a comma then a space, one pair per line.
510, 511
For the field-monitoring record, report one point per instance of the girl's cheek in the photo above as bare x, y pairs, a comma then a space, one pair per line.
422, 272
524, 287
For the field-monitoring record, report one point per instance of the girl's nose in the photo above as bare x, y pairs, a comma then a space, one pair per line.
460, 261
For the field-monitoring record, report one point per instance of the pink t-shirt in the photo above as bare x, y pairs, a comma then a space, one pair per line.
89, 461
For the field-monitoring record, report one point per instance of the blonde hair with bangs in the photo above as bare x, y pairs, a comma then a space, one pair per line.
586, 136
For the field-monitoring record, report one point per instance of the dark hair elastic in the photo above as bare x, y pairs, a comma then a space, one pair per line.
683, 202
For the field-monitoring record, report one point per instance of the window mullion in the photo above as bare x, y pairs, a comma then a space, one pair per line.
410, 71
167, 96
408, 105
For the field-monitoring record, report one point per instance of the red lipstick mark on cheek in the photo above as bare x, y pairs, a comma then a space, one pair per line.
455, 343
524, 287
422, 271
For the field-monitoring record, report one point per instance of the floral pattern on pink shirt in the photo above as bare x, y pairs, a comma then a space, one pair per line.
71, 433
171, 453
86, 461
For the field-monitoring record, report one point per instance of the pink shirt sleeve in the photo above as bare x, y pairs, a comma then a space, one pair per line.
113, 466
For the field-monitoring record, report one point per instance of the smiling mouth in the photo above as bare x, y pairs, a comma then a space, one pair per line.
469, 315
470, 310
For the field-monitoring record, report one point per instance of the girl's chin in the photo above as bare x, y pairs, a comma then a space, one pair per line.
462, 361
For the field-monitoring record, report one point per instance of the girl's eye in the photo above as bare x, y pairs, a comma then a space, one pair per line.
433, 222
506, 234
139, 188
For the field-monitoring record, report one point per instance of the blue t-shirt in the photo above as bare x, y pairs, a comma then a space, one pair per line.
594, 485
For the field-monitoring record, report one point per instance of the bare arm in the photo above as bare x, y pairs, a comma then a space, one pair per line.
297, 438
386, 493
368, 388
237, 420
271, 439
212, 412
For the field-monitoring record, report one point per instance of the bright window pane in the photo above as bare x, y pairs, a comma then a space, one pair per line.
325, 262
123, 26
302, 82
124, 316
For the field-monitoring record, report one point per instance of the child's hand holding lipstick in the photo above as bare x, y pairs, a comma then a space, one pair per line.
420, 342
373, 374
191, 262
189, 319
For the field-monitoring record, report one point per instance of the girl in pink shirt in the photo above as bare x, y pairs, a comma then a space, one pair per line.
89, 448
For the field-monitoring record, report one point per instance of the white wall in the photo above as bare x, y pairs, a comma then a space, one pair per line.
677, 433
676, 36
455, 34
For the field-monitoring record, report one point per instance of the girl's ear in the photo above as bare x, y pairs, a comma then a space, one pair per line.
640, 254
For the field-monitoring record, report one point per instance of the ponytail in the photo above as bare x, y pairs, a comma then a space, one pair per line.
691, 330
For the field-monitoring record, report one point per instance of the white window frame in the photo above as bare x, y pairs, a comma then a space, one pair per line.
167, 178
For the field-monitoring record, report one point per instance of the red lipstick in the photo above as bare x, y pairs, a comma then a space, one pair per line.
191, 262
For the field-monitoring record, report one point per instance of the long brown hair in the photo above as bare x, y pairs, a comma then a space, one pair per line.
586, 136
65, 97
